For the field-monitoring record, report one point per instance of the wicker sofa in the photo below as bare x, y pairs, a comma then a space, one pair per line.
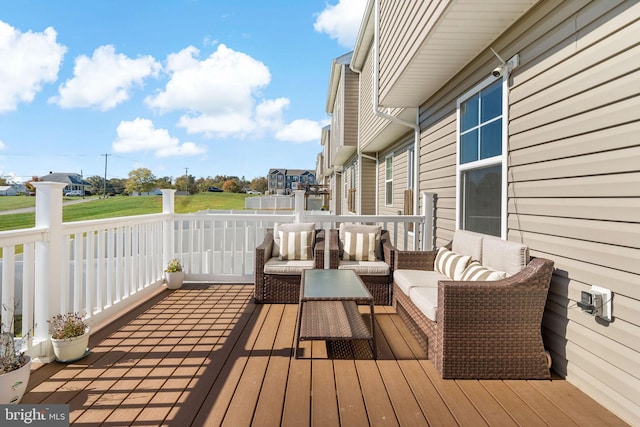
470, 328
377, 274
277, 281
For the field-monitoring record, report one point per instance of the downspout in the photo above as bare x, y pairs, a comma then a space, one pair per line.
377, 112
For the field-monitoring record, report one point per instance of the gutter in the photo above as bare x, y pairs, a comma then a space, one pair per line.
377, 112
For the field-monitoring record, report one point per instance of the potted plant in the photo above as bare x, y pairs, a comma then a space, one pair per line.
174, 274
69, 336
15, 366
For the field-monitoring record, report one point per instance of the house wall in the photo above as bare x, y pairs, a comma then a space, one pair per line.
400, 183
573, 178
350, 100
368, 187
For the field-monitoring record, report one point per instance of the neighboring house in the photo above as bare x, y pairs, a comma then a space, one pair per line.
535, 141
284, 181
7, 190
74, 181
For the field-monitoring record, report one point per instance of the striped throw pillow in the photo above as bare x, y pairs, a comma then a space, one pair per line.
451, 264
297, 245
359, 246
477, 271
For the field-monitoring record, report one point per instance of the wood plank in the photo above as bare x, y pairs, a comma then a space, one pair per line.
376, 400
270, 404
324, 403
350, 403
404, 403
515, 407
456, 400
242, 405
433, 407
489, 409
536, 401
297, 404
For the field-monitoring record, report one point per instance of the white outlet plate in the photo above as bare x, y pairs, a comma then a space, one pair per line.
606, 302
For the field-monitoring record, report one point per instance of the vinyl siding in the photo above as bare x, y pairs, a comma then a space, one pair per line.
350, 100
367, 188
573, 178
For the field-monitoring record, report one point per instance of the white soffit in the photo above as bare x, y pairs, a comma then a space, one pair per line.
464, 30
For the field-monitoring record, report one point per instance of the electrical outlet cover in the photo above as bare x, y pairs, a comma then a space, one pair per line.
606, 302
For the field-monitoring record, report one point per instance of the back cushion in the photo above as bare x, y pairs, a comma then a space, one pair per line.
359, 246
451, 264
504, 255
358, 228
468, 243
296, 245
303, 226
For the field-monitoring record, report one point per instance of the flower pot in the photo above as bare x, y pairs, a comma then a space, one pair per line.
13, 384
174, 280
71, 349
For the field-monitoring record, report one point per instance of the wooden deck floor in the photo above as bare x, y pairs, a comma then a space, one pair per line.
205, 355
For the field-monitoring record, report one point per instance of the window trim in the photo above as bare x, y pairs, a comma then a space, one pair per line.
491, 161
388, 180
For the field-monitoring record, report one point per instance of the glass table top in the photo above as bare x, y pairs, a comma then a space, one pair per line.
333, 284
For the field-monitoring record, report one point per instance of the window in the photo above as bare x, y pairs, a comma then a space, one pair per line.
388, 181
481, 142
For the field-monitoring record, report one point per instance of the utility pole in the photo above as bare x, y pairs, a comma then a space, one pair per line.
104, 186
186, 179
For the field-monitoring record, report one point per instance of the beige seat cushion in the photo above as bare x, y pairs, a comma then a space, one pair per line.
366, 268
425, 300
407, 279
276, 266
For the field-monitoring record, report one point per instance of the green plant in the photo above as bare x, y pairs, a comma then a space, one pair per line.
174, 266
11, 358
69, 325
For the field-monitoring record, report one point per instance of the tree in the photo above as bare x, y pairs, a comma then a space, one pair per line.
164, 182
97, 184
141, 180
3, 181
186, 183
260, 184
231, 186
116, 185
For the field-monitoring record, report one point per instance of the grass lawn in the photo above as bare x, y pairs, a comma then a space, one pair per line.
117, 206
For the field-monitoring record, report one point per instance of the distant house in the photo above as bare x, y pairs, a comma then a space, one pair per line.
7, 190
284, 181
74, 181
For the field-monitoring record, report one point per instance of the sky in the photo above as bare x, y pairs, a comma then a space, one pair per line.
198, 87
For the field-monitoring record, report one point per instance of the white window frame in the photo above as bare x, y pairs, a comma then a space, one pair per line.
388, 180
411, 152
491, 161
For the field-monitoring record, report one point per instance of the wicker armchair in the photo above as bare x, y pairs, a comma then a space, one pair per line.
379, 285
281, 288
483, 330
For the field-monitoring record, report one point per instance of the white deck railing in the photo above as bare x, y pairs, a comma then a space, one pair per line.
103, 267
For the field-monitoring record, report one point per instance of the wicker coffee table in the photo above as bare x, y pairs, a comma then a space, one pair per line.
328, 308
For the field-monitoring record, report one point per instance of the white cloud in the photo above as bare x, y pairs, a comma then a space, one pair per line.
141, 135
341, 21
222, 95
2, 145
301, 130
27, 61
104, 80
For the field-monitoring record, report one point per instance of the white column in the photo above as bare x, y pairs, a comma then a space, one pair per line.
427, 228
168, 208
48, 258
299, 205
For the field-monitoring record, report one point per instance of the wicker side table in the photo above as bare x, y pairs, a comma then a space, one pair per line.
328, 308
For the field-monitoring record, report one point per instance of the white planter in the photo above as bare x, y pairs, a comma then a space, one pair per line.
13, 384
71, 349
174, 280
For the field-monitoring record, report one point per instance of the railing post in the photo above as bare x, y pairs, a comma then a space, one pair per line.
299, 205
48, 260
168, 208
427, 225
